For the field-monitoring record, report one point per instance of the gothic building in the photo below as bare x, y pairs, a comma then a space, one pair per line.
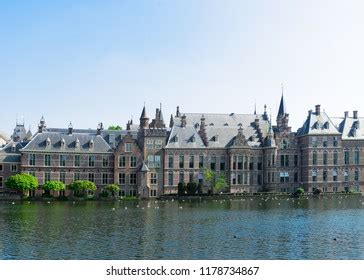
150, 159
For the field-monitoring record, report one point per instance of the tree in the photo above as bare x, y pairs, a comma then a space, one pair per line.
220, 183
216, 181
181, 188
191, 188
53, 186
317, 191
299, 191
113, 189
82, 186
115, 127
22, 182
209, 176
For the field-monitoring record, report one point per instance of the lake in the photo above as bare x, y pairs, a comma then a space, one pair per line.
329, 227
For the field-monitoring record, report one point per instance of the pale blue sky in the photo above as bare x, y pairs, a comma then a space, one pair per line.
91, 61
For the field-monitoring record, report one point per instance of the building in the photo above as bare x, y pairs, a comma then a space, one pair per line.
150, 159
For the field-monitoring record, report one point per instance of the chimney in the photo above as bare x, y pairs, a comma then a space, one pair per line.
355, 114
346, 114
70, 129
318, 110
178, 114
183, 121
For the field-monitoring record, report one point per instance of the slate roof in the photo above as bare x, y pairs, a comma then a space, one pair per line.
282, 108
221, 130
9, 158
351, 129
38, 142
317, 125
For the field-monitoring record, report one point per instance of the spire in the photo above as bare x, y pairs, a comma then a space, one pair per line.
255, 108
282, 106
171, 122
144, 114
144, 120
161, 114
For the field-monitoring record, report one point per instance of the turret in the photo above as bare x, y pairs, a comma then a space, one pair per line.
144, 120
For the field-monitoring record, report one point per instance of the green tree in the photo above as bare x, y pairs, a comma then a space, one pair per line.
191, 188
115, 127
22, 182
181, 188
210, 176
220, 183
82, 186
112, 189
216, 181
53, 186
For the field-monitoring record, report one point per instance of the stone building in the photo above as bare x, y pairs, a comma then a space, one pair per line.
150, 159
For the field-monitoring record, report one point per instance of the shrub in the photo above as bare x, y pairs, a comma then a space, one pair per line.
112, 189
191, 188
54, 186
299, 191
22, 182
181, 188
81, 186
317, 191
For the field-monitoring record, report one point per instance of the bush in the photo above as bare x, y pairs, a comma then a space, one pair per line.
80, 187
299, 191
191, 188
317, 191
54, 186
181, 188
112, 189
200, 188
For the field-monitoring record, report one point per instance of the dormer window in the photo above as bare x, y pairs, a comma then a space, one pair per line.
63, 143
215, 138
240, 124
327, 125
251, 139
13, 148
226, 124
48, 142
77, 143
356, 125
211, 124
193, 138
176, 138
91, 144
197, 125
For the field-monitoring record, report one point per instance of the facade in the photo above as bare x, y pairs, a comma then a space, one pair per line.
150, 159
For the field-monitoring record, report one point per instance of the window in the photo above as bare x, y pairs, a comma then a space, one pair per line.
105, 178
222, 163
324, 160
314, 175
285, 144
153, 192
314, 158
91, 177
336, 156
314, 141
122, 161
122, 180
346, 175
251, 163
170, 178
181, 177
91, 161
296, 177
154, 160
200, 161
191, 161
213, 163
133, 161
334, 175
181, 161
133, 179
335, 141
14, 168
31, 159
76, 176
1, 182
346, 157
105, 161
234, 162
47, 160
356, 175
128, 147
158, 144
77, 160
170, 161
356, 157
47, 177
240, 179
240, 162
62, 177
153, 178
191, 177
150, 144
324, 175
324, 141
260, 164
295, 160
1, 167
233, 177
282, 160
62, 160
284, 177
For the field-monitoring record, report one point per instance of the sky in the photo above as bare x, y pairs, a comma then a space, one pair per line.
92, 61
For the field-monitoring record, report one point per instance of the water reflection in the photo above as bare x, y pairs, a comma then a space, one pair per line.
239, 228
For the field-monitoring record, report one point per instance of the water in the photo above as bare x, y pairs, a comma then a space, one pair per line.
279, 228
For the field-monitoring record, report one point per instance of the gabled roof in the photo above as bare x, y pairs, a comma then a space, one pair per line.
317, 124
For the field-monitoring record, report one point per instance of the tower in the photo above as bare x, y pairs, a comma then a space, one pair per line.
144, 120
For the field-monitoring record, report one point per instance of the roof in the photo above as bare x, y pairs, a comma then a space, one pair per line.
317, 124
221, 130
282, 108
351, 128
38, 142
9, 158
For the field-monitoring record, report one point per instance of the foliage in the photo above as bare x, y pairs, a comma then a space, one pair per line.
82, 185
191, 188
181, 188
54, 186
104, 193
22, 182
216, 181
113, 189
317, 191
115, 127
299, 191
